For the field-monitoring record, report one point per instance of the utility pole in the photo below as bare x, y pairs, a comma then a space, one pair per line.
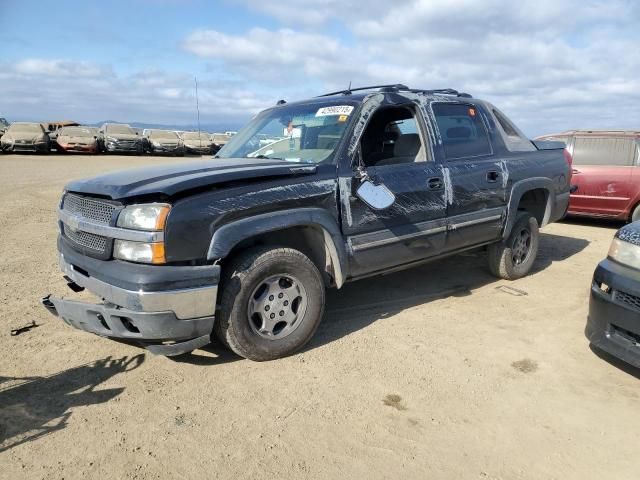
198, 109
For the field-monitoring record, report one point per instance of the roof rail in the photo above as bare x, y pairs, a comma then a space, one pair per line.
441, 91
392, 86
397, 87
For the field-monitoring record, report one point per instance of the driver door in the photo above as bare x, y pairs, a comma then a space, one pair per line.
414, 226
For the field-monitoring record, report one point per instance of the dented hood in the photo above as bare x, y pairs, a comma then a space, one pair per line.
173, 179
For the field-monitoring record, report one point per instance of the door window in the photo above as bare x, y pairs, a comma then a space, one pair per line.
608, 151
462, 131
393, 137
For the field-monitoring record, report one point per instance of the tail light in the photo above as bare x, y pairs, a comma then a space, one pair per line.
569, 158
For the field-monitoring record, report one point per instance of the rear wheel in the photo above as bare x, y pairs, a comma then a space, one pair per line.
271, 304
513, 258
635, 216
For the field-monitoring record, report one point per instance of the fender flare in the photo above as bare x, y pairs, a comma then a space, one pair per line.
518, 190
229, 235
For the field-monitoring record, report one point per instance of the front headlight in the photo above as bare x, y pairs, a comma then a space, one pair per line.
155, 144
112, 139
150, 216
625, 253
139, 252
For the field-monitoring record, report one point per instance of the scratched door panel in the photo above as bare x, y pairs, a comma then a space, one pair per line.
477, 201
413, 228
601, 190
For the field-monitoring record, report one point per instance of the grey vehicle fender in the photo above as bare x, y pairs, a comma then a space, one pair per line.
229, 235
518, 190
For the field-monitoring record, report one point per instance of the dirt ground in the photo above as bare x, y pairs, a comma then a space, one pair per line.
440, 372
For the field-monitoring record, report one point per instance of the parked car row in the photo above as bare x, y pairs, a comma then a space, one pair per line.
109, 138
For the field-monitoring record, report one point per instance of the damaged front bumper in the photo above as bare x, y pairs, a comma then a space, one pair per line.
168, 310
613, 324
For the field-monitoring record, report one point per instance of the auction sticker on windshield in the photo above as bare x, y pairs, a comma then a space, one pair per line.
335, 110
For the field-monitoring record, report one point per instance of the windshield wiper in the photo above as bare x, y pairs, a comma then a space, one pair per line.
264, 157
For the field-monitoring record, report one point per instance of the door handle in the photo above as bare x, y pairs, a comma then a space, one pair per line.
493, 176
435, 183
575, 171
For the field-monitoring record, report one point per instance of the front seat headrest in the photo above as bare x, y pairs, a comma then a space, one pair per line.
407, 145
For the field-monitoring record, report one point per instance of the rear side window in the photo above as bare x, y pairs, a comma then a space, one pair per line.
513, 138
604, 151
462, 130
505, 124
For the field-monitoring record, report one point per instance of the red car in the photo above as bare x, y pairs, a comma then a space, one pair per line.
78, 139
605, 171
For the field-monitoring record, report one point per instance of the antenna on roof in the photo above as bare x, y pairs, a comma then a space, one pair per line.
349, 87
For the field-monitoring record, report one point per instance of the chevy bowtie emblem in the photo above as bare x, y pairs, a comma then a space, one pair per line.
73, 222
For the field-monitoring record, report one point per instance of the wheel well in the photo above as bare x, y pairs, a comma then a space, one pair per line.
307, 239
535, 202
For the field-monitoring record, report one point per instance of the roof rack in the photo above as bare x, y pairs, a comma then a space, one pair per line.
397, 87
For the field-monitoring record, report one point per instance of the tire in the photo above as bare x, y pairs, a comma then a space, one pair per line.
271, 304
513, 258
635, 216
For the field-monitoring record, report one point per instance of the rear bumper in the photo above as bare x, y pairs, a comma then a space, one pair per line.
166, 150
168, 310
197, 150
560, 207
613, 324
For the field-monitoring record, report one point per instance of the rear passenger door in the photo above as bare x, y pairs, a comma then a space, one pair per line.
602, 170
474, 179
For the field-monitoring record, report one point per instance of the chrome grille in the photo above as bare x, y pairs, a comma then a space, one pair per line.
90, 208
628, 299
91, 241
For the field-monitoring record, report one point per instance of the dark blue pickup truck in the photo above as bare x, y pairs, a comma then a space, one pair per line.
308, 195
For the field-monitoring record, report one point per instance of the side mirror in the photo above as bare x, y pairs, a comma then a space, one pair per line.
375, 196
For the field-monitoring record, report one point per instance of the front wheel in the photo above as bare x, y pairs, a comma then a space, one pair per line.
513, 258
271, 304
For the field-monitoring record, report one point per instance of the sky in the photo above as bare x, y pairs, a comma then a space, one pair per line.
551, 65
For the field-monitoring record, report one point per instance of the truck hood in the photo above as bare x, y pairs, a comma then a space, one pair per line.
172, 179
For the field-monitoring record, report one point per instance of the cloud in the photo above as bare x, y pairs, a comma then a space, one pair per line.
317, 12
41, 89
260, 52
549, 64
60, 68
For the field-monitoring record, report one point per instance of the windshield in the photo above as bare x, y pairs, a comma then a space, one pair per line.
195, 136
297, 133
163, 134
25, 128
76, 132
120, 129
